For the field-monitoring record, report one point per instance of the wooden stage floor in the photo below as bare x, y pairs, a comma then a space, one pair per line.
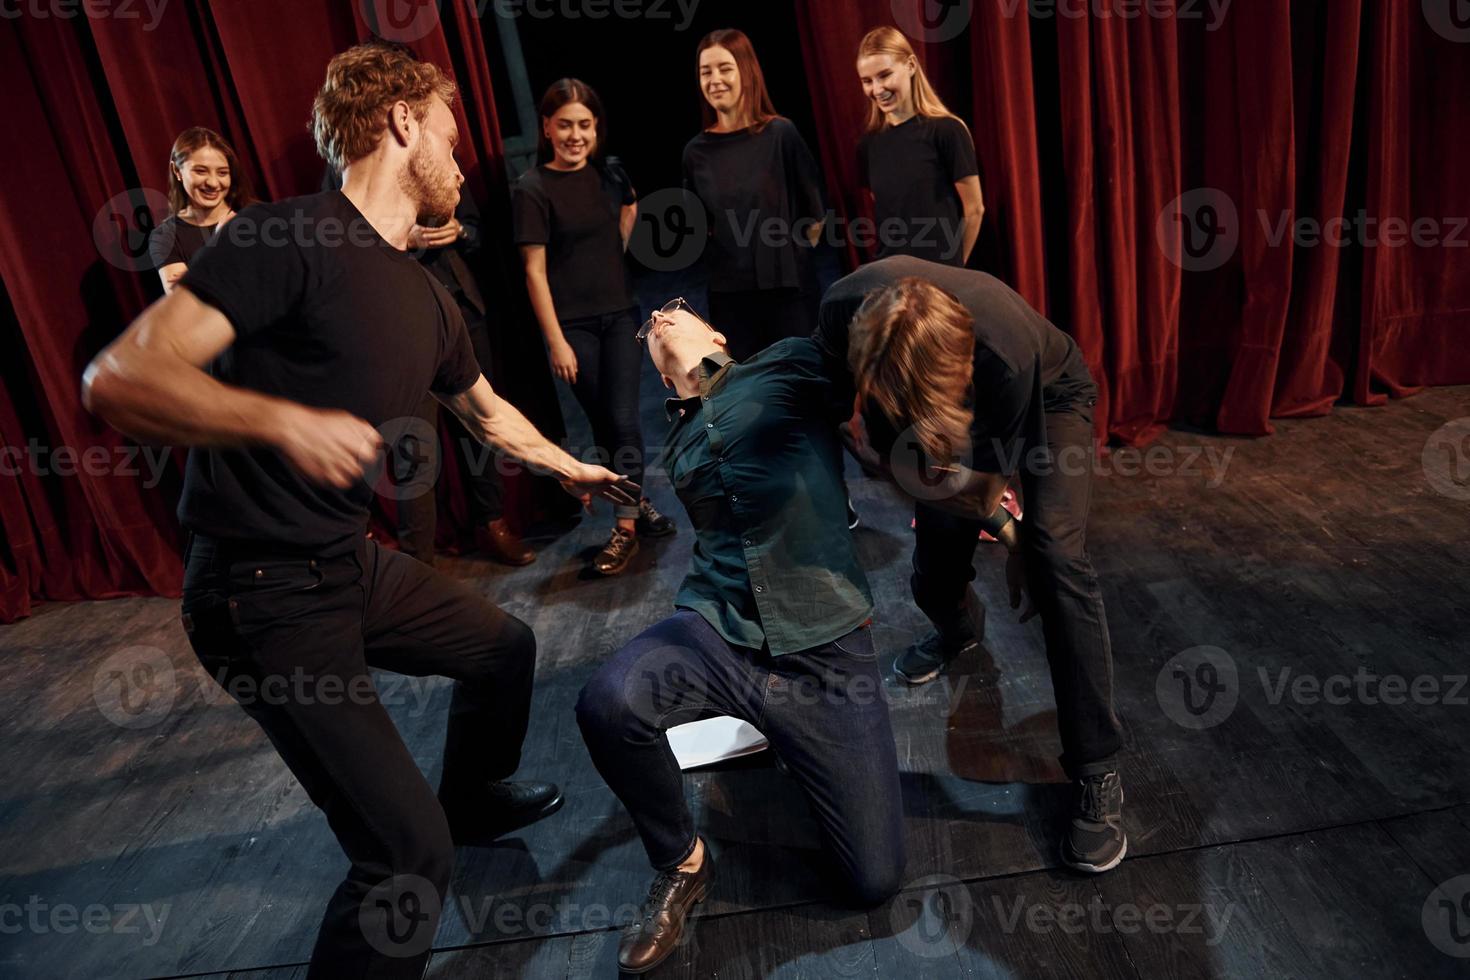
1313, 821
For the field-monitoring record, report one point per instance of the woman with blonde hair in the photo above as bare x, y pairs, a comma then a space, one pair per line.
917, 158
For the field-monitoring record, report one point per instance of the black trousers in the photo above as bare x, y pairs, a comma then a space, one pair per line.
754, 319
418, 514
609, 373
1061, 580
291, 637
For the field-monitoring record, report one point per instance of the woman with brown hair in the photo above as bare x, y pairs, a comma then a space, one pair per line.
572, 214
205, 188
917, 158
761, 189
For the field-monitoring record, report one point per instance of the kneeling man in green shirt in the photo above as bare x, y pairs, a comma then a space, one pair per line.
771, 625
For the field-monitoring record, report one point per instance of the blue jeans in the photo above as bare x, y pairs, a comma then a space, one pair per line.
823, 711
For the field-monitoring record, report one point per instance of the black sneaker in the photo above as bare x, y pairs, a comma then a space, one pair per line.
924, 661
652, 524
497, 809
1095, 840
615, 555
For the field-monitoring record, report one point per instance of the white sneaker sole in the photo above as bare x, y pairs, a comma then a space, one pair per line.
1097, 869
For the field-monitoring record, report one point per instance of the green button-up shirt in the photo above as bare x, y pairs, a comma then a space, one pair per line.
757, 463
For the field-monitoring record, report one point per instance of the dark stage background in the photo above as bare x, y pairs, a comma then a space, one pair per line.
1094, 133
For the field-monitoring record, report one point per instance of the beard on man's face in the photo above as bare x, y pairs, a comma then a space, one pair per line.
433, 189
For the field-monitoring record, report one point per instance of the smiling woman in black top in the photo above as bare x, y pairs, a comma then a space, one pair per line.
205, 189
573, 213
917, 158
761, 190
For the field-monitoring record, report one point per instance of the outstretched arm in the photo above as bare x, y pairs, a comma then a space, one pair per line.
498, 423
151, 384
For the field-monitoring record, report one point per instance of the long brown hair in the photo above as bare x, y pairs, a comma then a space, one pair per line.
196, 138
566, 91
912, 352
755, 101
891, 41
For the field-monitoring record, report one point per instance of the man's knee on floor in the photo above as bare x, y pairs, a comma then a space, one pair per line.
874, 883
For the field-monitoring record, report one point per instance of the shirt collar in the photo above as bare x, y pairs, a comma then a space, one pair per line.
710, 368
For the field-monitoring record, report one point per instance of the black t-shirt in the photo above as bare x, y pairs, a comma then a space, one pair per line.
576, 215
745, 180
328, 314
911, 169
1024, 365
175, 240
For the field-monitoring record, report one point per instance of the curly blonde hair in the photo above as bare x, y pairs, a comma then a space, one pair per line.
349, 115
911, 349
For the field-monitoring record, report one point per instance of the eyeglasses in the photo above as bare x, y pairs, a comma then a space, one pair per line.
668, 310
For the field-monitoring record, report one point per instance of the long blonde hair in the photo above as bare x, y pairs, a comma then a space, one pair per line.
891, 41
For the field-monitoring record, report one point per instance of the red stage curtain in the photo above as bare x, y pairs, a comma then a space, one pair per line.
97, 102
1088, 128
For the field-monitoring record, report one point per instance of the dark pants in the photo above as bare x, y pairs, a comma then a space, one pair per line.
754, 319
823, 711
418, 512
1062, 584
609, 370
292, 638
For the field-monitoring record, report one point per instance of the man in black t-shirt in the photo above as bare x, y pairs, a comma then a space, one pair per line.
294, 344
962, 388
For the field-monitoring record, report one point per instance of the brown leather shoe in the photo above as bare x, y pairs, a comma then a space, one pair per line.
615, 555
498, 541
660, 926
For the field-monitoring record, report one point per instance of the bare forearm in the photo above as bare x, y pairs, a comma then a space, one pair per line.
545, 309
498, 423
972, 233
167, 400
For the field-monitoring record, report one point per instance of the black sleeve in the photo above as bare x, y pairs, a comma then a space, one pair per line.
458, 368
802, 172
626, 195
530, 213
862, 162
468, 215
833, 319
163, 244
957, 149
252, 272
1004, 408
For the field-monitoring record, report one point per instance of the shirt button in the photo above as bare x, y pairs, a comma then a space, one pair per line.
760, 588
734, 498
709, 425
259, 574
722, 459
748, 544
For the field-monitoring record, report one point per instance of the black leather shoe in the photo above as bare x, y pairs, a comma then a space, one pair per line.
660, 926
615, 555
497, 809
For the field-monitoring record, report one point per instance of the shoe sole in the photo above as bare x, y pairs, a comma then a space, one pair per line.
484, 838
678, 939
926, 678
1097, 869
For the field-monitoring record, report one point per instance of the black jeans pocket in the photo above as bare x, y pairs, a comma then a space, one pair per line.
857, 645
